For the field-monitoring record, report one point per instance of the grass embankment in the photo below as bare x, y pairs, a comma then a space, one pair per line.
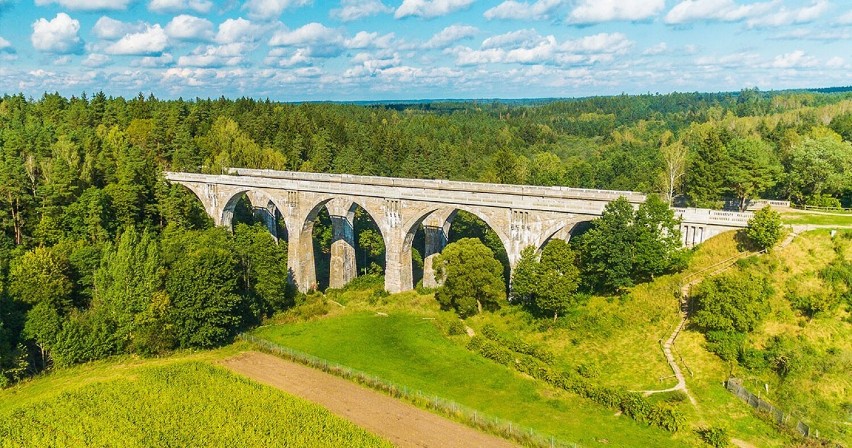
177, 401
615, 340
796, 217
814, 384
408, 350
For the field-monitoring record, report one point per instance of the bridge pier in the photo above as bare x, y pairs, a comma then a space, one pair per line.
436, 228
343, 266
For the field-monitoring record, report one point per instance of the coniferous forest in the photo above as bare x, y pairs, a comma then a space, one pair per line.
100, 256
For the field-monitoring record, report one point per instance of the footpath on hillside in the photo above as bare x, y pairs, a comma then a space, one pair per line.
401, 423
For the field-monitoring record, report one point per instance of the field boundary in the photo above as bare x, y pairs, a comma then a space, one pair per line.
445, 408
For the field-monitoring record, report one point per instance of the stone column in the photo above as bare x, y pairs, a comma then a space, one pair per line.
436, 227
343, 267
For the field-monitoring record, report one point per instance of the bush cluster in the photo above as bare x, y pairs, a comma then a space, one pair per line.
632, 404
517, 345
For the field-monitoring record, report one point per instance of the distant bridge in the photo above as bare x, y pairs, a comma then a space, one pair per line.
520, 215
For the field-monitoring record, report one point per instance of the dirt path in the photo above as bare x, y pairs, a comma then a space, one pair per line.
401, 423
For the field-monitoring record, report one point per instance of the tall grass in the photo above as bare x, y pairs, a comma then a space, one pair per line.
180, 405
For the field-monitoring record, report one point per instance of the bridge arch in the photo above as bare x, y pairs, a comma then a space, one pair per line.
437, 222
342, 259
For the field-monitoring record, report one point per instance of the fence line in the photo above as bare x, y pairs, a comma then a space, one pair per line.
735, 386
447, 408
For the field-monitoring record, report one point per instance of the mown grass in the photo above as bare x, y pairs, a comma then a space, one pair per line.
179, 401
408, 350
816, 218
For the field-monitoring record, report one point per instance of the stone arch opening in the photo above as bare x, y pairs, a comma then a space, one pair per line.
187, 208
443, 225
252, 207
345, 242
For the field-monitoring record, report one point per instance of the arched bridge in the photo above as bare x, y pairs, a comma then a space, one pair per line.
520, 215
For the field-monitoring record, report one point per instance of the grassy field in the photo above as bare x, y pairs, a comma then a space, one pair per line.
816, 218
181, 401
409, 350
616, 338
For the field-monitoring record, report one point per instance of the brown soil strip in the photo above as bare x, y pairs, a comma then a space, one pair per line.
401, 423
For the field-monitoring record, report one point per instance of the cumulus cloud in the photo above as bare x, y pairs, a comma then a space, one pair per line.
96, 60
58, 36
287, 58
237, 30
216, 55
186, 27
110, 29
785, 16
514, 10
520, 38
5, 45
597, 11
718, 10
430, 8
270, 9
173, 6
315, 38
87, 5
794, 59
659, 48
163, 60
450, 35
528, 48
365, 39
152, 41
358, 9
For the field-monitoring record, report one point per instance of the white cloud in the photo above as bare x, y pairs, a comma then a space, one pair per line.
835, 62
528, 48
287, 58
720, 10
659, 48
162, 60
370, 40
152, 41
845, 19
57, 36
186, 27
450, 35
357, 9
270, 9
794, 59
237, 30
216, 55
87, 5
96, 60
520, 38
514, 10
111, 29
785, 16
430, 8
596, 11
5, 46
173, 6
316, 38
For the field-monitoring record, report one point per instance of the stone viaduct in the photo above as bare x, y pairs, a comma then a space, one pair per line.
520, 215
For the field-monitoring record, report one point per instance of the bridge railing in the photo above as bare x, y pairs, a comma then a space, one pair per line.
714, 216
442, 184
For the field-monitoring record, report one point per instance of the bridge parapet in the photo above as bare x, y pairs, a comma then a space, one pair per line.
519, 215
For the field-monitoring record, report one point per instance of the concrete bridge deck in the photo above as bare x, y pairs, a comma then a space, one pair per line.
520, 215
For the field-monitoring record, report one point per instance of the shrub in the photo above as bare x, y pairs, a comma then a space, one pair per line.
764, 229
715, 437
727, 345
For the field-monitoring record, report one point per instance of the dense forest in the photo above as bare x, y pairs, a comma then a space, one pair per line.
98, 255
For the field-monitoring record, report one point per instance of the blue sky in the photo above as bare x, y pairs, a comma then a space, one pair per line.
296, 50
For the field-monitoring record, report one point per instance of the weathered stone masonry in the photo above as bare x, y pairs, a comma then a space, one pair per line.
520, 215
